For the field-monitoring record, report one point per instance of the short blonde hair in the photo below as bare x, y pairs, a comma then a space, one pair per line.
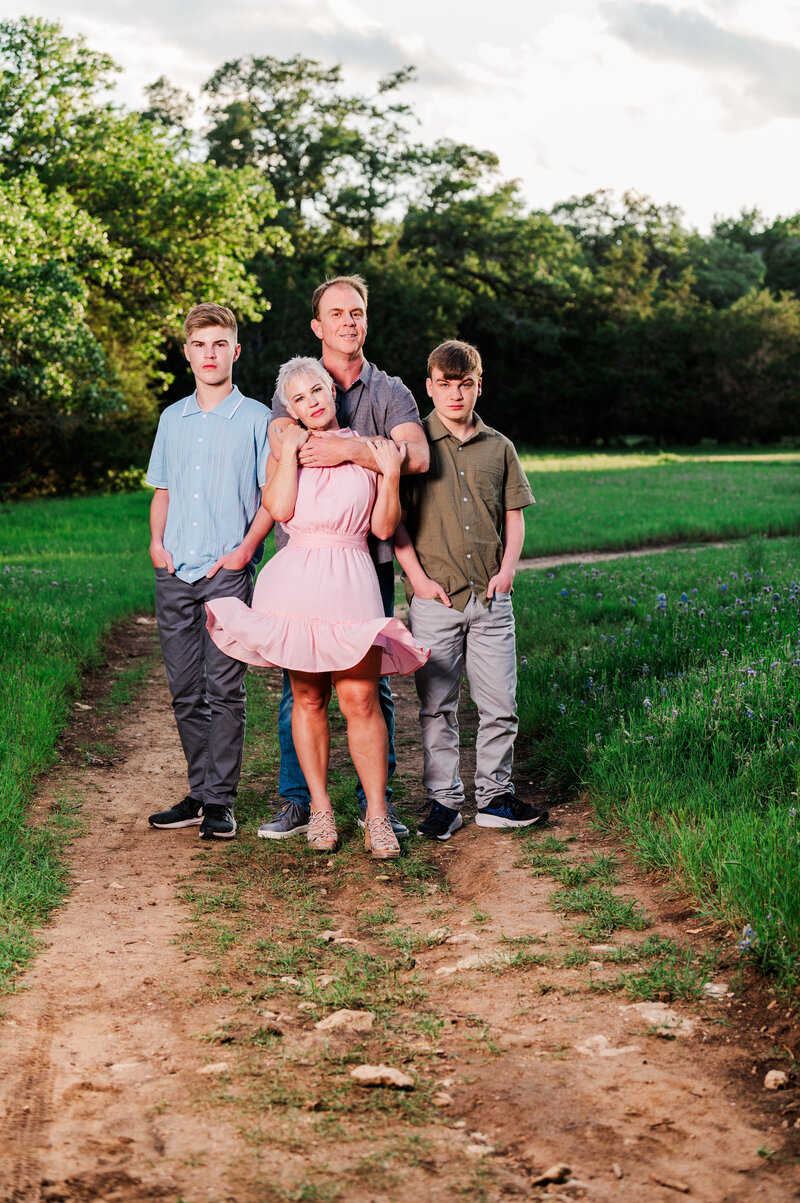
356, 282
294, 367
209, 314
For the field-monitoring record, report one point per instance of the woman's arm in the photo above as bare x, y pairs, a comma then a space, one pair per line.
386, 510
280, 492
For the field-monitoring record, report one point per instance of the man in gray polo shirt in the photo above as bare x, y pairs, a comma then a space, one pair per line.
207, 529
370, 403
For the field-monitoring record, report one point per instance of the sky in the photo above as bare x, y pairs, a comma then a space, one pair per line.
691, 104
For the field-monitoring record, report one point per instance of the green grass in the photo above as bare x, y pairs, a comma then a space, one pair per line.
69, 570
668, 688
622, 501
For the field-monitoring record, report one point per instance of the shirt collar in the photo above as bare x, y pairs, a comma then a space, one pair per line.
225, 409
438, 430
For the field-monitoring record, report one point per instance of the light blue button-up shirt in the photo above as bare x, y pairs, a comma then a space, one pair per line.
213, 463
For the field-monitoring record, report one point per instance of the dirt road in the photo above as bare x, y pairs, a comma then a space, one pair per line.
165, 1048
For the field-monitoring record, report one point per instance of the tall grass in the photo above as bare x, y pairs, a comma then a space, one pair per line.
617, 502
69, 569
668, 688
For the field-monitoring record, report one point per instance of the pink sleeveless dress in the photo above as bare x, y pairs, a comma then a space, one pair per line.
316, 606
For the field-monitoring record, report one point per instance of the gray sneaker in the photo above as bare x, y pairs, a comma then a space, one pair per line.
291, 819
398, 826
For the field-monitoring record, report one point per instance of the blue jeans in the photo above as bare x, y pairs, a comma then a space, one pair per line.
291, 782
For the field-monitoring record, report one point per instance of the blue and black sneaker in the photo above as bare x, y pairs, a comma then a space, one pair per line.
441, 822
508, 811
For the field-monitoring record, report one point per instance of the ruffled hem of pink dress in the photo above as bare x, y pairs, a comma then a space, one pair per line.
269, 639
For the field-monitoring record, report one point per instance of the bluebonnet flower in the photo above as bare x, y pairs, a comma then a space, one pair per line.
564, 593
562, 709
749, 938
647, 704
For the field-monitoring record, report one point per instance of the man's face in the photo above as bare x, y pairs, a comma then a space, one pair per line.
453, 400
342, 321
211, 353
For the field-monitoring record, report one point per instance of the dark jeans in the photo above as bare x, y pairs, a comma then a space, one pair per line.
207, 687
291, 782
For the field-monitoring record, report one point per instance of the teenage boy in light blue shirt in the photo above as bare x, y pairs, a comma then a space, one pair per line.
207, 530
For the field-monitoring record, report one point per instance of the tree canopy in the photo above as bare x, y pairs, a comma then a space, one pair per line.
601, 319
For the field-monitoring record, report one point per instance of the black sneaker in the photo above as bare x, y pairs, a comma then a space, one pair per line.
508, 811
441, 822
218, 823
292, 819
398, 826
188, 813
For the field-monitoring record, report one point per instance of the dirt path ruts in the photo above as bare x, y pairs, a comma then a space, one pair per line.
102, 1099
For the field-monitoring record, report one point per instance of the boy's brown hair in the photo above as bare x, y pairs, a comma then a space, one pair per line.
209, 314
356, 282
455, 360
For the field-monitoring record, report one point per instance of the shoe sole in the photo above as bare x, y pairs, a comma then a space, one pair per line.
263, 834
454, 826
218, 835
174, 826
483, 820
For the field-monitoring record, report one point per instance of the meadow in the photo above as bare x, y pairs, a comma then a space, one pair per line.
667, 689
623, 500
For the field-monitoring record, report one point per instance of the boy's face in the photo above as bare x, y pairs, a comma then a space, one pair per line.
342, 321
211, 353
454, 400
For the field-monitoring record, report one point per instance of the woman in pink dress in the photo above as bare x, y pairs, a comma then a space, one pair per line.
317, 608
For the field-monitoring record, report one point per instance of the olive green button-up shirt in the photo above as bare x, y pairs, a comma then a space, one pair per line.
455, 511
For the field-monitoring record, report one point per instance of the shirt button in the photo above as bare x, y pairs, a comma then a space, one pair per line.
461, 473
194, 524
199, 440
196, 496
191, 551
463, 499
469, 557
472, 582
197, 467
466, 528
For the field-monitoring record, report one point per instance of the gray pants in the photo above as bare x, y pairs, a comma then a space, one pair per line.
207, 687
482, 640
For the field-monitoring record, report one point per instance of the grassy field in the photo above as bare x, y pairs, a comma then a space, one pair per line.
668, 689
612, 502
70, 569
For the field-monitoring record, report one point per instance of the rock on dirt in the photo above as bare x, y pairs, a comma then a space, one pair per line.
381, 1075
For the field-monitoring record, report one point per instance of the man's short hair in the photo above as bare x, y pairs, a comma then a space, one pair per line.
209, 314
455, 360
294, 367
356, 282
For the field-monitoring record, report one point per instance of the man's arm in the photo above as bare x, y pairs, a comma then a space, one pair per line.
241, 556
418, 453
159, 508
408, 560
513, 537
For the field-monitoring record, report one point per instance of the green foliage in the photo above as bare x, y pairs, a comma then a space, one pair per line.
141, 231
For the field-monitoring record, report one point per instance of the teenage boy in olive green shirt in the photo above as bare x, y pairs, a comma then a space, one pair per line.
458, 547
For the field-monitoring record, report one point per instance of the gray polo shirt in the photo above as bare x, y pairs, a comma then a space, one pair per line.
373, 405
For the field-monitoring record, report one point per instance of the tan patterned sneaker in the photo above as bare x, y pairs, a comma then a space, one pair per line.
322, 835
380, 840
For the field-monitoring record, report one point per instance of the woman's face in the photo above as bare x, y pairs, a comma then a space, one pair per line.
311, 401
